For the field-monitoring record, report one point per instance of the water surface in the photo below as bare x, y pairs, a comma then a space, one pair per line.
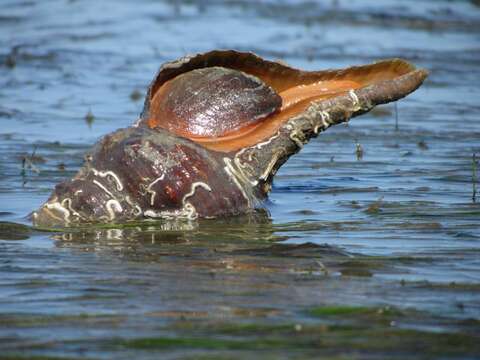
368, 254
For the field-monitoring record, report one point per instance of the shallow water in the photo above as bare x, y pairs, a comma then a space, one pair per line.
356, 258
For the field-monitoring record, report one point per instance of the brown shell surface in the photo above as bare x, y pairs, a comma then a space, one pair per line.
212, 102
298, 90
137, 173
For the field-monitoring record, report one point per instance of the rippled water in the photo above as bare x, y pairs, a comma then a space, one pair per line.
357, 257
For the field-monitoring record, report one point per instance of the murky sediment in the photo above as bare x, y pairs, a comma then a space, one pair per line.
371, 243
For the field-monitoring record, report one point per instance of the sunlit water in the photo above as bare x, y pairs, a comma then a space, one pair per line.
394, 229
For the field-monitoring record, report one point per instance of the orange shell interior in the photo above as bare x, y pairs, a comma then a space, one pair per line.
297, 93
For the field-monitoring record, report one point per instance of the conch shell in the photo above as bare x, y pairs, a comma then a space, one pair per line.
214, 130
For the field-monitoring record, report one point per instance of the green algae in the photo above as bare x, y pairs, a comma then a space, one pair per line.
208, 343
340, 310
325, 340
14, 231
34, 320
239, 328
14, 356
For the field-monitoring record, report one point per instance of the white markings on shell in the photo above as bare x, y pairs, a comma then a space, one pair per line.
262, 144
67, 203
241, 172
101, 186
297, 137
295, 131
195, 185
187, 211
238, 173
109, 175
63, 207
317, 118
58, 207
137, 210
240, 153
258, 146
137, 122
152, 192
324, 123
355, 100
270, 166
234, 174
112, 207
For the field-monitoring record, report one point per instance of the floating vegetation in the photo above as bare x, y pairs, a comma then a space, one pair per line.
135, 95
339, 310
374, 208
422, 145
321, 339
11, 58
13, 231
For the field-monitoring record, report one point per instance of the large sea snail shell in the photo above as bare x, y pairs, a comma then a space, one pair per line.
214, 130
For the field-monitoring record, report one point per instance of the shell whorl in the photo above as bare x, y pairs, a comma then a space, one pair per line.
212, 102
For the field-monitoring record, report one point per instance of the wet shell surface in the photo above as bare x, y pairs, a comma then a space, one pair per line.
212, 102
214, 130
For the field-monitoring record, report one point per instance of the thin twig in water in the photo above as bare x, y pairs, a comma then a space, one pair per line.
28, 164
358, 151
474, 178
89, 118
29, 161
23, 173
396, 116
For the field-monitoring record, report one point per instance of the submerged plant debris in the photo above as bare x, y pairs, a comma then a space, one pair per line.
377, 258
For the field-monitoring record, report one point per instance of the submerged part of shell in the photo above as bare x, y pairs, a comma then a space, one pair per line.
255, 116
212, 102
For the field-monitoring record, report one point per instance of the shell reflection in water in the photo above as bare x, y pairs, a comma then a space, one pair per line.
155, 237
